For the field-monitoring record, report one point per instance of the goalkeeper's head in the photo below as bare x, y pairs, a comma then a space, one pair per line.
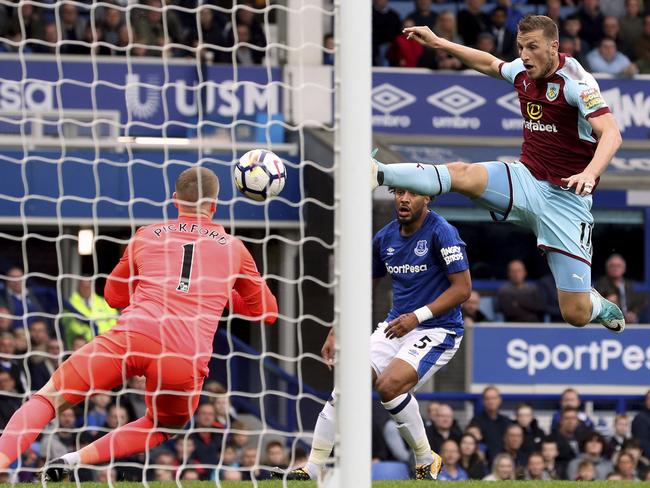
196, 192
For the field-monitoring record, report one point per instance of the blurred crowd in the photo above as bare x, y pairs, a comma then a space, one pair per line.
495, 446
605, 36
520, 300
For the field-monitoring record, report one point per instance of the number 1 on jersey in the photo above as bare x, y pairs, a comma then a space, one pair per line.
186, 268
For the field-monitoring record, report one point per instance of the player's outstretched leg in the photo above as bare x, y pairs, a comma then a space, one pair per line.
24, 427
429, 179
132, 438
322, 445
393, 386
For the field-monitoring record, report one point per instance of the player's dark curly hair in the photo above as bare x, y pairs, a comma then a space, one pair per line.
532, 23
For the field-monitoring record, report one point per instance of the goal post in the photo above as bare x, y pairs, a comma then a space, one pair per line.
354, 226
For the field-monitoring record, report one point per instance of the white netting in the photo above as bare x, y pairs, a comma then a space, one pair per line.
102, 105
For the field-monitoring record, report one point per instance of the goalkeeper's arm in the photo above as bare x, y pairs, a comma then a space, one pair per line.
473, 58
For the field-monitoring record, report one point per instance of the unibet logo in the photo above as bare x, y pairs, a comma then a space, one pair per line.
534, 110
406, 268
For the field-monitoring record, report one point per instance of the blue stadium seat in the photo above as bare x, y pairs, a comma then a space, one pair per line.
389, 470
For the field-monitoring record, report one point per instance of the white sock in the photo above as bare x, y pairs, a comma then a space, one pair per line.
405, 412
72, 458
324, 435
596, 306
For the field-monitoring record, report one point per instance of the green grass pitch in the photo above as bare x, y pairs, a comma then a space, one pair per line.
376, 484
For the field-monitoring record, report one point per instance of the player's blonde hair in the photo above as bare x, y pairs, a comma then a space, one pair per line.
197, 185
532, 23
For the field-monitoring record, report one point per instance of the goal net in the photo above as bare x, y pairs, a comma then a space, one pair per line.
102, 105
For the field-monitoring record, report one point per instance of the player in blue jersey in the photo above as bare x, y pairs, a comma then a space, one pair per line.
569, 135
426, 260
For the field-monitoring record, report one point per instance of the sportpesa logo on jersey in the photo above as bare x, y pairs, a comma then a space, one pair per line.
451, 254
406, 268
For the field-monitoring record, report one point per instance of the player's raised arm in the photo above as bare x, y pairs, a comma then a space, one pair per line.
255, 297
473, 58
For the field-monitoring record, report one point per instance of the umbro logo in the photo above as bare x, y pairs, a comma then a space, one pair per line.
387, 98
390, 251
510, 102
456, 100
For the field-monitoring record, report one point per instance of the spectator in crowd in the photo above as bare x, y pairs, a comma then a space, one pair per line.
519, 301
134, 399
592, 448
246, 16
471, 459
554, 12
591, 21
486, 43
274, 456
471, 309
546, 284
49, 40
612, 30
475, 430
631, 23
73, 28
6, 322
405, 52
503, 469
328, 52
625, 467
423, 15
77, 343
247, 463
566, 440
643, 42
472, 21
19, 299
505, 39
614, 281
493, 424
62, 437
41, 371
21, 342
97, 411
513, 13
93, 307
571, 398
571, 29
11, 365
615, 8
152, 30
513, 440
550, 453
32, 23
451, 470
436, 58
620, 435
210, 35
534, 470
633, 448
443, 428
608, 60
10, 400
207, 440
386, 26
432, 409
643, 65
39, 336
533, 435
109, 31
186, 454
586, 471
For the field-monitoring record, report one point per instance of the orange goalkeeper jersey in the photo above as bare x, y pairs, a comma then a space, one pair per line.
176, 277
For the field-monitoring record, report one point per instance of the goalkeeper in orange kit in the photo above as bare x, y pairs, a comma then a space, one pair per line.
174, 280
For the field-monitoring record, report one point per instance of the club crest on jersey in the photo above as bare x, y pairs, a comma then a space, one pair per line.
552, 91
421, 248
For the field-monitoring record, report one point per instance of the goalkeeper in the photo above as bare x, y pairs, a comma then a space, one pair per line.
428, 265
174, 280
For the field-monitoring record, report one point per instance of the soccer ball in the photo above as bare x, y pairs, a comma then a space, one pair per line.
260, 174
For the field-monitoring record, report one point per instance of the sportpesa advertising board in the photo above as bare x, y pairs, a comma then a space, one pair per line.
546, 358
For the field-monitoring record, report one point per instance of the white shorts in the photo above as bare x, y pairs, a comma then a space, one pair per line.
426, 350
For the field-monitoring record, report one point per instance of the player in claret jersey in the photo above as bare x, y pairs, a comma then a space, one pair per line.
174, 280
569, 138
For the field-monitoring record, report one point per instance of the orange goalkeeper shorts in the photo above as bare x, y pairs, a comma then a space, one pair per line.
173, 384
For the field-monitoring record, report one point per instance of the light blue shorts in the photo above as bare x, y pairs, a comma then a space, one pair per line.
560, 219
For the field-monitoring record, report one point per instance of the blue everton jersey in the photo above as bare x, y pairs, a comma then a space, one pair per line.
418, 265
